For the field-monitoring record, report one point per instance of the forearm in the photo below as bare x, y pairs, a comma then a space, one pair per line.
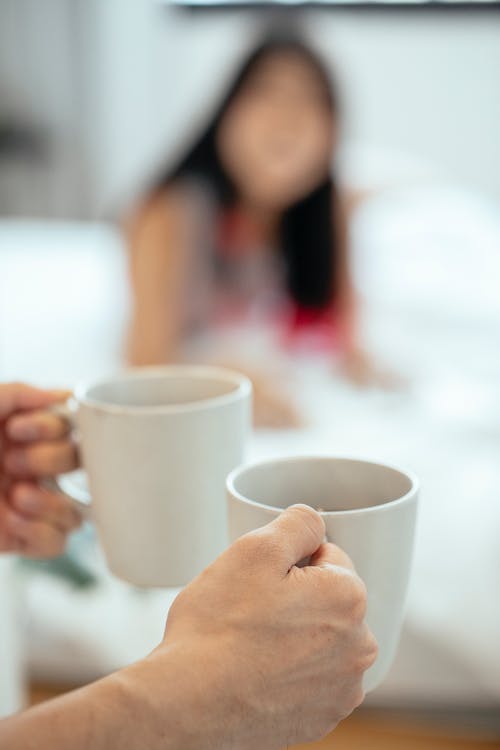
127, 709
346, 323
102, 715
160, 262
153, 338
142, 706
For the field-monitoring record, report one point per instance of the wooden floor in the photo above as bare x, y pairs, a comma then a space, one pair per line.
368, 729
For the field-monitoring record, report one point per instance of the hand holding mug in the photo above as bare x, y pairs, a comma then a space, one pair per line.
368, 508
34, 444
270, 654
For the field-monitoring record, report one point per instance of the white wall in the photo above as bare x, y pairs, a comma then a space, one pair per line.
40, 89
426, 83
120, 84
423, 83
153, 73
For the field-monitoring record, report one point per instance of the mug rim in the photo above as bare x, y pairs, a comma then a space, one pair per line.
239, 470
242, 388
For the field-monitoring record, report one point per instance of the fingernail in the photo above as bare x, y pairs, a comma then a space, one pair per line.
60, 394
15, 461
22, 429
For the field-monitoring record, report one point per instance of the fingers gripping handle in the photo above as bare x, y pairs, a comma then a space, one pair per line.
77, 496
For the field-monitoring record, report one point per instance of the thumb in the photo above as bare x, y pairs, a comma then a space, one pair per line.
297, 533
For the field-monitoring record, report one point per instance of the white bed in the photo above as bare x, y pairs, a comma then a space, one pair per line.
428, 266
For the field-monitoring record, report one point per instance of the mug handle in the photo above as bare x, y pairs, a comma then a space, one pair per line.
79, 498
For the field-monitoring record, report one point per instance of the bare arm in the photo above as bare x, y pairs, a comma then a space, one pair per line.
347, 304
358, 365
161, 244
118, 711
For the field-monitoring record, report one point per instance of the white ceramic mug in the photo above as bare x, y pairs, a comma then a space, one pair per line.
369, 510
157, 444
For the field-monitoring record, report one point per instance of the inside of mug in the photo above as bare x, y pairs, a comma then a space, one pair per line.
161, 389
327, 484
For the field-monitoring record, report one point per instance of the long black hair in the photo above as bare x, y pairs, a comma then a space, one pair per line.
307, 233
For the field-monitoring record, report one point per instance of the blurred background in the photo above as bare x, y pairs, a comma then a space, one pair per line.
391, 115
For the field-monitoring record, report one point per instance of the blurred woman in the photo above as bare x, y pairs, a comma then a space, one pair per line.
249, 230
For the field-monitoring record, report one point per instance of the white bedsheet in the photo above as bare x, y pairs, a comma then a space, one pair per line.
428, 267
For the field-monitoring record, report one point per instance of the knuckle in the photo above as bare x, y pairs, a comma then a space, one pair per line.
373, 649
357, 599
341, 557
367, 654
358, 697
245, 545
362, 662
347, 595
325, 587
260, 545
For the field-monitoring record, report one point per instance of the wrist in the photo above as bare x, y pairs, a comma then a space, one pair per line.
174, 700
